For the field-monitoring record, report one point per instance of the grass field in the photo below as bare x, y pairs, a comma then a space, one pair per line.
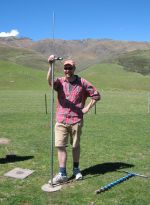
113, 140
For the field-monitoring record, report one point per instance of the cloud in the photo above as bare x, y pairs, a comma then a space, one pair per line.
13, 32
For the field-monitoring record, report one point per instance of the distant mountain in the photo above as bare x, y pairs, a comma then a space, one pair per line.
85, 52
16, 42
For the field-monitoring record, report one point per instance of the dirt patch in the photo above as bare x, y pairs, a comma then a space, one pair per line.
4, 141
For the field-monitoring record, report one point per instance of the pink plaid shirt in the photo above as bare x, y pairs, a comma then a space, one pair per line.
71, 99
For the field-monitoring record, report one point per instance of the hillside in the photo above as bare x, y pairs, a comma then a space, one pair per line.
103, 76
17, 77
86, 52
135, 61
114, 77
23, 57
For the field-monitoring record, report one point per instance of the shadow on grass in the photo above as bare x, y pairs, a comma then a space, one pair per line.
102, 169
105, 167
14, 158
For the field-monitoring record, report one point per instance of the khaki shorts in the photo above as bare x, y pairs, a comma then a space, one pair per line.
64, 131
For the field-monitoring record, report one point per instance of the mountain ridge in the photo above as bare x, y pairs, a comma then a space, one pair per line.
85, 52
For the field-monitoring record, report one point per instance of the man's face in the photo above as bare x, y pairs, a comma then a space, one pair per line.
69, 70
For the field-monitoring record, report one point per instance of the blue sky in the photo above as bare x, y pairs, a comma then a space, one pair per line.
76, 19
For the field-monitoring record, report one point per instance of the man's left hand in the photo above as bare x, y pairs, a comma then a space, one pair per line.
85, 110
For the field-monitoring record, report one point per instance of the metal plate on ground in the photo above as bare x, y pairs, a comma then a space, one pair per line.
19, 173
50, 188
4, 141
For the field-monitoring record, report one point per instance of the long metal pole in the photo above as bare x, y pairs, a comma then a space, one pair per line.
52, 121
52, 110
52, 105
52, 117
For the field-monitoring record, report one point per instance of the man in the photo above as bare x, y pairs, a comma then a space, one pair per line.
72, 92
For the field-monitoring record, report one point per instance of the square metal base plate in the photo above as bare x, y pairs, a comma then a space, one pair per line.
19, 173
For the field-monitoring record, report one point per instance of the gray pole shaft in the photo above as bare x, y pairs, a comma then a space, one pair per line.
52, 120
52, 109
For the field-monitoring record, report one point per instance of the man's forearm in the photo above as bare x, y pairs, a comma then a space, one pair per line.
49, 75
91, 104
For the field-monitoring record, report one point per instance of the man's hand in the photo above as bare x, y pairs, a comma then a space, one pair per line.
51, 59
89, 106
85, 110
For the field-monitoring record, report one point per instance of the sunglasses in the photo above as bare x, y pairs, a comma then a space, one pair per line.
68, 68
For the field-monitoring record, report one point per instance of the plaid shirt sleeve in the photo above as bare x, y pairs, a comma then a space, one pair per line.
56, 84
91, 90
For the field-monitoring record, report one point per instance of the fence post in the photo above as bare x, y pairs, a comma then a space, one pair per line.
45, 104
95, 108
149, 103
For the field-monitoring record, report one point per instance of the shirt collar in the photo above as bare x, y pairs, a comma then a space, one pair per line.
77, 78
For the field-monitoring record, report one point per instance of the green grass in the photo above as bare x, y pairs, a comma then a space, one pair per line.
17, 77
116, 138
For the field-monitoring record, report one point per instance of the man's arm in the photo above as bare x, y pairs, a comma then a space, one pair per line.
49, 73
92, 93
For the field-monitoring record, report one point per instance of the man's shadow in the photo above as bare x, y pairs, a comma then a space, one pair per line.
103, 168
14, 158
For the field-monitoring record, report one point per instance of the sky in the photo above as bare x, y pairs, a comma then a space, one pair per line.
127, 20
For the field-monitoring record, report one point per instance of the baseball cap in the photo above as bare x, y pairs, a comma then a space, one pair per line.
69, 62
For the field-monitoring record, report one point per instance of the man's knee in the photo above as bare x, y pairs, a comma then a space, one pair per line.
63, 148
77, 148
